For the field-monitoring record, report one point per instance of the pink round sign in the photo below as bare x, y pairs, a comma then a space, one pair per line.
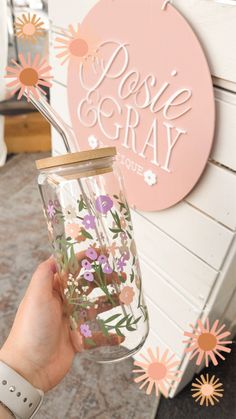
138, 80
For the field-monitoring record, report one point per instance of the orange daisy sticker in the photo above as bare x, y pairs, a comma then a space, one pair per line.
29, 28
75, 44
29, 76
207, 390
205, 342
158, 370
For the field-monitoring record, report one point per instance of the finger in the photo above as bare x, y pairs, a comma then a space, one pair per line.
101, 305
109, 279
100, 340
42, 278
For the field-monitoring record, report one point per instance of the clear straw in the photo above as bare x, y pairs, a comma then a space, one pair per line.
67, 136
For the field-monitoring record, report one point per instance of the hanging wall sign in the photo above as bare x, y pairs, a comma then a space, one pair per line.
138, 79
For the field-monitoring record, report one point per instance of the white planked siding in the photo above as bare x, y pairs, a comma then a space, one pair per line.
224, 150
165, 328
194, 230
178, 263
215, 194
167, 297
214, 23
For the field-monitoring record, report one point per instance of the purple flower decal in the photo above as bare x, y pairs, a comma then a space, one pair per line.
103, 204
91, 253
102, 259
51, 209
88, 276
85, 330
121, 264
89, 221
126, 255
86, 265
107, 269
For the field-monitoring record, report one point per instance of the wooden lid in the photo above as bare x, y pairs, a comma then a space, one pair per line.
81, 156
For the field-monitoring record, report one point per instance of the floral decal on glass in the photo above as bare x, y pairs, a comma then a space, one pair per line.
101, 275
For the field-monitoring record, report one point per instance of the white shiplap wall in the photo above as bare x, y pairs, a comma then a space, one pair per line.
187, 252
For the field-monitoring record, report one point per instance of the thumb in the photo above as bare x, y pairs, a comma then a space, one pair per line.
42, 278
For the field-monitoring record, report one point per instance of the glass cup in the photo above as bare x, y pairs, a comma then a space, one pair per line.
91, 233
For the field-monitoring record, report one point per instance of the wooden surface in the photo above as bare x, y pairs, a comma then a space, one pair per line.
27, 133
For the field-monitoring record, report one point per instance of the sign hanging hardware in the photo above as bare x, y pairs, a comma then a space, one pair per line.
165, 4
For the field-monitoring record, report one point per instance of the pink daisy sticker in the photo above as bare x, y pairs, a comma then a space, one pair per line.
205, 342
29, 76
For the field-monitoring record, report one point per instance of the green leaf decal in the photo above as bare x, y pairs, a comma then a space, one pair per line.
86, 234
89, 341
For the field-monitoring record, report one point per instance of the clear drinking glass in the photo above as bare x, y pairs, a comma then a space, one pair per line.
91, 233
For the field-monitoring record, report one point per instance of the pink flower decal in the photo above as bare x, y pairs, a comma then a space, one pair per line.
123, 222
127, 295
112, 248
103, 204
29, 76
207, 342
72, 230
85, 330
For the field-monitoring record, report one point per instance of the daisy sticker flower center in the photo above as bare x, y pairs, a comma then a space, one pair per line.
157, 371
29, 29
78, 47
207, 389
207, 341
28, 76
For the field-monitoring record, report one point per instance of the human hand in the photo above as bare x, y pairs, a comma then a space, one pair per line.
39, 346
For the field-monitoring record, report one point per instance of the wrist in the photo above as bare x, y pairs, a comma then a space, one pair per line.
22, 366
5, 412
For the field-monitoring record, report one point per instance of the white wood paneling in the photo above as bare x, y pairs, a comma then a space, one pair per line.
153, 341
215, 194
180, 265
214, 23
194, 230
167, 298
224, 147
165, 328
64, 13
59, 70
59, 102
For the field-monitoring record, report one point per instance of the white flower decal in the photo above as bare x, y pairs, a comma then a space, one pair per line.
150, 178
69, 212
93, 141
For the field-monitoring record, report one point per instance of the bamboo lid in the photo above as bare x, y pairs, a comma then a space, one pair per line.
81, 156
